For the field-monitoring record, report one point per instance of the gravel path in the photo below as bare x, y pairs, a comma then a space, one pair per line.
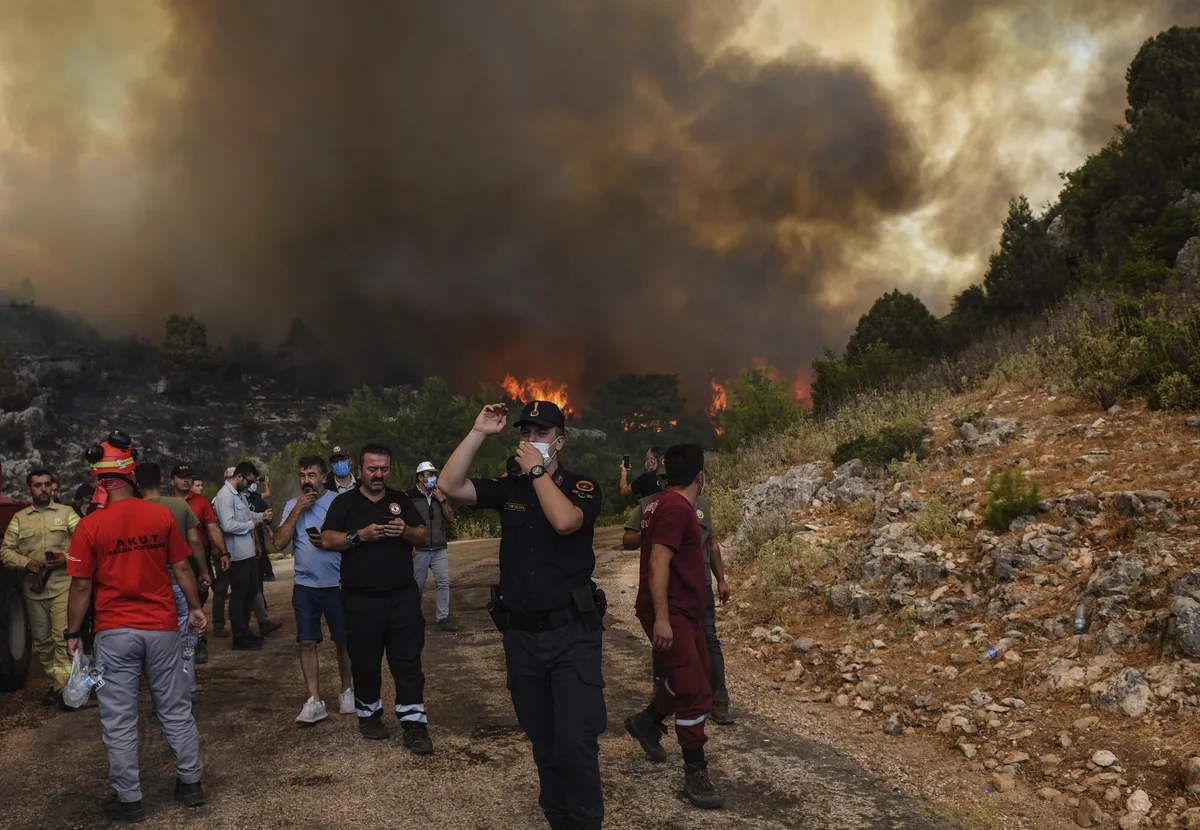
262, 771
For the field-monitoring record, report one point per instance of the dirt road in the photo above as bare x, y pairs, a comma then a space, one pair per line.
262, 771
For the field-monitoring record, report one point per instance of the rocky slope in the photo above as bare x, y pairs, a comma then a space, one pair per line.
77, 385
894, 593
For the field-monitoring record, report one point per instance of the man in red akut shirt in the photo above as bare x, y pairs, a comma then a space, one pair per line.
122, 552
672, 596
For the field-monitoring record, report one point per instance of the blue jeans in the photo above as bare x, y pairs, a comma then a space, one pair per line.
439, 561
181, 615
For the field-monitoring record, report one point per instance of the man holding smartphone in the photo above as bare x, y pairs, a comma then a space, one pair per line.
376, 528
315, 591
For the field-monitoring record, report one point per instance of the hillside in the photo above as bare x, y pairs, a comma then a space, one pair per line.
878, 594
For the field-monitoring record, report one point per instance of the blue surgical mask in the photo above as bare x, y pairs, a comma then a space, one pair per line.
253, 488
341, 469
431, 482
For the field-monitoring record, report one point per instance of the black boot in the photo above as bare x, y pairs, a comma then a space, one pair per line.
189, 795
117, 810
416, 738
699, 788
560, 821
649, 734
372, 728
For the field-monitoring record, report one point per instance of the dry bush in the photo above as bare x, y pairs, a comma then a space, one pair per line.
863, 509
935, 522
785, 567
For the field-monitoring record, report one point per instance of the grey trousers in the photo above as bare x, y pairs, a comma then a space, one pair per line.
439, 561
128, 653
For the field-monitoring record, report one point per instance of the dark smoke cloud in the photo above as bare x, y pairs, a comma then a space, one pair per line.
566, 189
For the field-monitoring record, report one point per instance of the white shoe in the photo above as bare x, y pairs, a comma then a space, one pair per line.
346, 702
313, 711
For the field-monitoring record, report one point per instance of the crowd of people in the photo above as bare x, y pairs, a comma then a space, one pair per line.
134, 560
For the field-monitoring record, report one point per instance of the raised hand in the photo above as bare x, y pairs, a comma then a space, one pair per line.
492, 419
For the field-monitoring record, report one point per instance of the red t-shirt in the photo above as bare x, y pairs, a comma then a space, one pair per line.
669, 519
203, 509
125, 548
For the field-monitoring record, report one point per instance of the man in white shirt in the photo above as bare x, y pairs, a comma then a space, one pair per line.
238, 523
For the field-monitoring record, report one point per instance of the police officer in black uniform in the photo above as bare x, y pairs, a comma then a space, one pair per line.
546, 604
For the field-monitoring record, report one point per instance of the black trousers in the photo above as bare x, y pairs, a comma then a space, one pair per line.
386, 623
243, 588
557, 688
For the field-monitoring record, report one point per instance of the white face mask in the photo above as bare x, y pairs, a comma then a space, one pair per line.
544, 449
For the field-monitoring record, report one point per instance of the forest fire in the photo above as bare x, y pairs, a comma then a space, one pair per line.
717, 406
640, 420
536, 390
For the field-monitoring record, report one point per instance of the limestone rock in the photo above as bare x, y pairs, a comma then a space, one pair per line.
1088, 813
1127, 693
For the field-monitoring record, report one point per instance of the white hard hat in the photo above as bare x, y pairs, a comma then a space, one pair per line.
426, 467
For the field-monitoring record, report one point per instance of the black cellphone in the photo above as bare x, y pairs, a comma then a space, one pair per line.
625, 461
312, 531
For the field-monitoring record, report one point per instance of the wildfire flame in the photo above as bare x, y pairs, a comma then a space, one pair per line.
641, 420
536, 390
717, 406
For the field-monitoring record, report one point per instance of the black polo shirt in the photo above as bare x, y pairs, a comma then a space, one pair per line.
538, 567
645, 485
385, 565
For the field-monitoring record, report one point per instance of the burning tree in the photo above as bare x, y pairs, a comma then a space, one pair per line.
755, 401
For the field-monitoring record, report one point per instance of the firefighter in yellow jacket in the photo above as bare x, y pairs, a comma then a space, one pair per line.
37, 541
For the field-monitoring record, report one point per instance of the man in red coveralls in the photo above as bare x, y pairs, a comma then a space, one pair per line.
122, 550
672, 596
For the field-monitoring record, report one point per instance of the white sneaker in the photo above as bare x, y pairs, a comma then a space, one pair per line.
313, 711
346, 702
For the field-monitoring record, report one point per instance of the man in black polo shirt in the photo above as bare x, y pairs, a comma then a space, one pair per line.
375, 528
546, 605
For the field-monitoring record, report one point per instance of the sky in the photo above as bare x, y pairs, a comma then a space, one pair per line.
567, 191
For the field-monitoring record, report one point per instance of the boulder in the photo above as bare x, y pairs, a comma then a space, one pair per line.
1118, 574
1088, 813
1185, 625
772, 501
1126, 693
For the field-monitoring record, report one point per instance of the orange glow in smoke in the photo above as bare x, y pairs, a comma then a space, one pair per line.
717, 406
641, 421
536, 390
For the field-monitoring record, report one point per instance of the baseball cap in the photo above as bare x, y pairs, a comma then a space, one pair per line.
426, 467
338, 452
542, 413
182, 471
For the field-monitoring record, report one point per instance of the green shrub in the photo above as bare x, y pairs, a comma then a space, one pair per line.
785, 567
897, 441
1024, 369
1176, 391
1010, 495
1101, 367
935, 521
863, 509
976, 414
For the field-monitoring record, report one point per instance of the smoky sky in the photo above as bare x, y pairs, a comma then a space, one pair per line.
561, 189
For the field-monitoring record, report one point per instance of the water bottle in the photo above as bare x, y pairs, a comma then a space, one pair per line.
995, 651
189, 650
1080, 619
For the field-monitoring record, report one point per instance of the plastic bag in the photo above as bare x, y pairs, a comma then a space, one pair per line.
84, 677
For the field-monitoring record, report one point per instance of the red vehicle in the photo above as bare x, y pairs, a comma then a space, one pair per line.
16, 641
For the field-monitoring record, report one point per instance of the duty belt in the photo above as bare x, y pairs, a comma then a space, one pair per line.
547, 621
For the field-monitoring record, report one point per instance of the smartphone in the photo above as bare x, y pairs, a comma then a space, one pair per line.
625, 461
312, 531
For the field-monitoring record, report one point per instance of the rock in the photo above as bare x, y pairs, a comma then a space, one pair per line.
1103, 758
1185, 625
1081, 504
759, 633
968, 750
1193, 421
1016, 758
1132, 821
1191, 776
1191, 818
1139, 802
766, 506
841, 701
1085, 724
968, 482
1088, 813
794, 675
978, 698
1127, 693
850, 599
1049, 762
803, 645
1118, 574
1003, 782
1013, 703
1048, 793
893, 727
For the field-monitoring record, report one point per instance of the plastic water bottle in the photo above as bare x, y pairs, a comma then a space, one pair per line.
995, 651
189, 650
1080, 619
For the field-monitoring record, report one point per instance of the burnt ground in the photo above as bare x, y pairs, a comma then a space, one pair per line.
261, 770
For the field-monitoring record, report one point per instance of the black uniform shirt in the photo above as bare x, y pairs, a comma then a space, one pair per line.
645, 485
539, 568
386, 564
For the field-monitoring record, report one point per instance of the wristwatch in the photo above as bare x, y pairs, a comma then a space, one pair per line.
537, 471
352, 540
71, 635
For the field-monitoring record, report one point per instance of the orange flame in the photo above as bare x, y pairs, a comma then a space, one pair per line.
802, 389
536, 390
718, 405
641, 420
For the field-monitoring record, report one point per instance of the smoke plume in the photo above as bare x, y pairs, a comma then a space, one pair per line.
562, 189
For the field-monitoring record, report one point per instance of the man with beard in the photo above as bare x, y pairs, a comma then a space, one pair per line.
183, 486
546, 605
121, 551
238, 523
315, 591
376, 528
36, 541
